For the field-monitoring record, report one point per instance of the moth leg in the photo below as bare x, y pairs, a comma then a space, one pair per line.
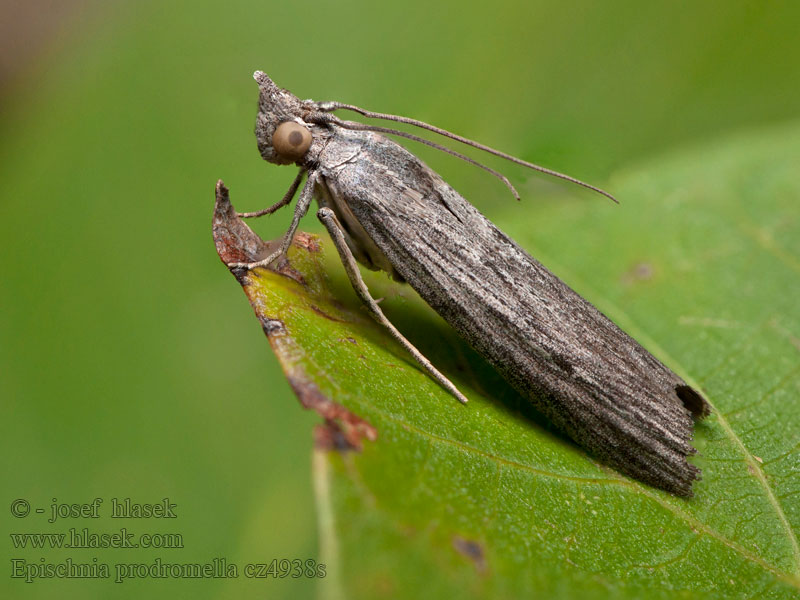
300, 211
334, 229
287, 198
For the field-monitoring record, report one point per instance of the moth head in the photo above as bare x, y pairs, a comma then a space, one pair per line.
282, 136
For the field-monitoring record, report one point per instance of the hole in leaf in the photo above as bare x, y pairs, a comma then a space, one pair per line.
692, 400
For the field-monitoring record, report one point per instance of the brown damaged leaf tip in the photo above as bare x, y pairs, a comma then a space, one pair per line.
237, 243
342, 430
330, 437
307, 241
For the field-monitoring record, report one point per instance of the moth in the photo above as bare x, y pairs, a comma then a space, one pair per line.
387, 210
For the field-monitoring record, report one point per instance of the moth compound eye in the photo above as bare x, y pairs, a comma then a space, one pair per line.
291, 140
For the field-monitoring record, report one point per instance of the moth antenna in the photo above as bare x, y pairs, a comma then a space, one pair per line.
331, 106
354, 125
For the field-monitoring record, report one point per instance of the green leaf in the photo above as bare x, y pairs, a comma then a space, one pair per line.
701, 264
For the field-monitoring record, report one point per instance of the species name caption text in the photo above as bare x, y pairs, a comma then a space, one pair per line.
83, 538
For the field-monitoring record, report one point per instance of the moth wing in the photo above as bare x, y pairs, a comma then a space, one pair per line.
573, 363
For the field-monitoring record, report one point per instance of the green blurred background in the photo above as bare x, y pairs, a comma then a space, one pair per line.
130, 362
